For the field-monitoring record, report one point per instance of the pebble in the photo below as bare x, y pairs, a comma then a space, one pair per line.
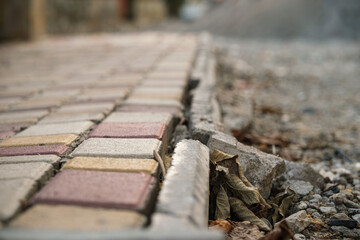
328, 210
353, 211
299, 236
317, 215
345, 223
351, 204
356, 217
302, 205
300, 187
298, 221
340, 216
310, 210
345, 231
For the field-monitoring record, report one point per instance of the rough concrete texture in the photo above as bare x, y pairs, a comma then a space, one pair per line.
184, 193
260, 168
117, 147
65, 139
113, 164
60, 128
62, 217
38, 171
14, 193
52, 159
57, 149
98, 189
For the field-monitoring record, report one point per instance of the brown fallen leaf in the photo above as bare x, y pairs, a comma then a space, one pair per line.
244, 214
280, 232
244, 231
222, 210
221, 225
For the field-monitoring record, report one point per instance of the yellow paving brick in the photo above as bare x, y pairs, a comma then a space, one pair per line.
61, 217
25, 120
65, 139
113, 164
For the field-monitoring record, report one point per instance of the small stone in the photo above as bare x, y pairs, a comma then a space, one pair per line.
356, 217
340, 216
338, 200
328, 210
345, 223
298, 221
354, 211
300, 187
310, 210
317, 215
345, 231
299, 236
351, 204
302, 205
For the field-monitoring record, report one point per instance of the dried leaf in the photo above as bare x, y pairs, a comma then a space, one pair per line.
282, 203
222, 210
249, 195
244, 214
244, 231
221, 224
280, 232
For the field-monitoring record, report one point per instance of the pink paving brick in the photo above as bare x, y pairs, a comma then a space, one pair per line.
57, 149
4, 135
98, 189
146, 108
13, 126
129, 130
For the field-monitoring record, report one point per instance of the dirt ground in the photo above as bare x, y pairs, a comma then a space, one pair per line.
296, 99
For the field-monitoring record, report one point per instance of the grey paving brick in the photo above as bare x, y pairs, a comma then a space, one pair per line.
14, 193
117, 147
184, 193
22, 115
93, 107
71, 117
154, 102
137, 117
59, 128
51, 159
38, 171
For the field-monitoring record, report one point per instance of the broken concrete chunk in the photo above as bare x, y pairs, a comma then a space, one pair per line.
260, 168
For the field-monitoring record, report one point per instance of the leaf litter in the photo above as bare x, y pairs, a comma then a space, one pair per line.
236, 206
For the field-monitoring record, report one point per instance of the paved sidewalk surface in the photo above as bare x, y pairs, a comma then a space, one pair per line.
104, 105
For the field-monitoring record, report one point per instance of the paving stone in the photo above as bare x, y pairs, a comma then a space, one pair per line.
139, 117
36, 104
14, 193
112, 164
158, 90
185, 191
59, 128
14, 127
128, 130
23, 116
153, 102
63, 217
34, 150
5, 135
166, 83
163, 96
71, 117
87, 108
146, 108
38, 171
118, 147
98, 189
65, 139
52, 159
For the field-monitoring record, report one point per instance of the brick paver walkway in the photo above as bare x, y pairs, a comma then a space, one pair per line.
103, 105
